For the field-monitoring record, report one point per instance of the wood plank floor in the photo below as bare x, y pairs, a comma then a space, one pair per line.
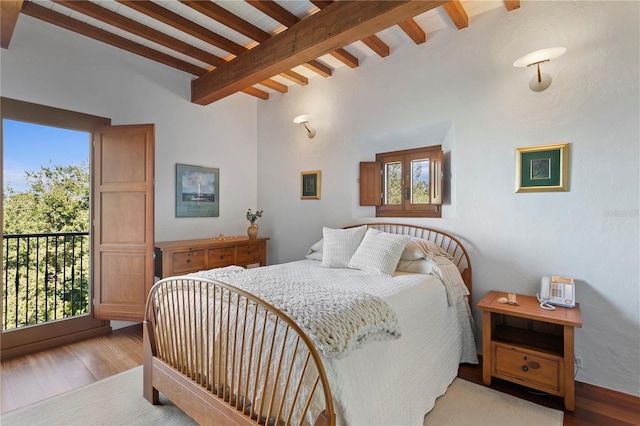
34, 377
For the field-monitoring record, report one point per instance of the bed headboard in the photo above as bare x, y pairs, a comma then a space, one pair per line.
448, 242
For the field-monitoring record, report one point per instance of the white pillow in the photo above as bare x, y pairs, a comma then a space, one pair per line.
315, 252
339, 245
379, 252
418, 266
418, 248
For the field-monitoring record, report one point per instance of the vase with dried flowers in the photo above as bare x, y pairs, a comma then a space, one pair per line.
252, 231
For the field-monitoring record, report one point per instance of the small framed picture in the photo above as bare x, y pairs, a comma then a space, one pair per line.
197, 191
543, 168
310, 185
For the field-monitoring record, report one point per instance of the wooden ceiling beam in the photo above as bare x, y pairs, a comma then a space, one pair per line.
286, 18
295, 77
55, 18
9, 12
275, 11
457, 13
345, 57
374, 43
413, 30
339, 24
119, 21
261, 94
275, 85
319, 68
512, 5
227, 18
178, 22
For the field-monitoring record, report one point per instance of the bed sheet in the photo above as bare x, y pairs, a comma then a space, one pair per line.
393, 382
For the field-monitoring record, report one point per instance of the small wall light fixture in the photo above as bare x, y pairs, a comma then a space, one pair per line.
304, 120
541, 81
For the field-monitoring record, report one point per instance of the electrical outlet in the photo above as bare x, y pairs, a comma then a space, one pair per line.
578, 362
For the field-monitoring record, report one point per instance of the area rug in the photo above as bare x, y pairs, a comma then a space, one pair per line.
118, 400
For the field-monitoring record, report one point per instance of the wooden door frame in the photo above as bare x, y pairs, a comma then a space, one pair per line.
28, 339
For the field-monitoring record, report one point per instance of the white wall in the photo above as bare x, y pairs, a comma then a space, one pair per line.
460, 88
51, 66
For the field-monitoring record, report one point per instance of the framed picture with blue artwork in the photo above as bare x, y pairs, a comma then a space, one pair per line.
197, 191
542, 168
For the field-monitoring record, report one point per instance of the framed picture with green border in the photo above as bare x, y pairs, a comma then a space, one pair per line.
197, 191
543, 168
310, 185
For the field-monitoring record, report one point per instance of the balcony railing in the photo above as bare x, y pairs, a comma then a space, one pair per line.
45, 277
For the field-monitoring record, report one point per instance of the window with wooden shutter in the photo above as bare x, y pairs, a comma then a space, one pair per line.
404, 183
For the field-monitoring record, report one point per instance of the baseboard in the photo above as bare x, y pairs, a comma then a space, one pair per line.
56, 341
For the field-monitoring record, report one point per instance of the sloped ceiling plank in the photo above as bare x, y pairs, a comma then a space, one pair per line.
168, 17
337, 25
119, 21
413, 30
512, 4
227, 18
87, 30
457, 14
9, 11
374, 43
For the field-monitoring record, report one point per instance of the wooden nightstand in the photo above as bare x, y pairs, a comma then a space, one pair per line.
529, 345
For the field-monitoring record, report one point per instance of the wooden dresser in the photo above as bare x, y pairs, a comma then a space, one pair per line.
186, 256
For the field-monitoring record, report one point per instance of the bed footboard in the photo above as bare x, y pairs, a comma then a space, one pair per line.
225, 356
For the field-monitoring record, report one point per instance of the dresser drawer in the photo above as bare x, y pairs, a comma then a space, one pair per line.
530, 368
248, 253
221, 257
187, 261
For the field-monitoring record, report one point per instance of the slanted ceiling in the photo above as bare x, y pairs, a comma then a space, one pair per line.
255, 46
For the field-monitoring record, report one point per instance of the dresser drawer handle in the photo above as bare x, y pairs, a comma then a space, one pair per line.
188, 260
525, 368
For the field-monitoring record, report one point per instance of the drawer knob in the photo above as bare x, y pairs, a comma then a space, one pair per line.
188, 260
525, 368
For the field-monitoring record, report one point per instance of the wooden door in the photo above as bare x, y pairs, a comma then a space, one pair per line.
123, 220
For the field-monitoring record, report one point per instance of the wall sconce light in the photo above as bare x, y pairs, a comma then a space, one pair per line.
541, 81
304, 120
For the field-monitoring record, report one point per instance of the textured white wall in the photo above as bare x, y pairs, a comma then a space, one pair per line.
51, 66
460, 88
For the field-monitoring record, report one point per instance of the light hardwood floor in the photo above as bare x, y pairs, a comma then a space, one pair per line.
34, 377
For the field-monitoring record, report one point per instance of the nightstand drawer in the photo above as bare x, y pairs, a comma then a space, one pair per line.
221, 257
188, 261
248, 253
530, 368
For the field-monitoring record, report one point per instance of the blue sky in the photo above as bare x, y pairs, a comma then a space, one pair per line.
27, 146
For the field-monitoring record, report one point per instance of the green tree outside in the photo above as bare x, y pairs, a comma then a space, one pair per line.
47, 276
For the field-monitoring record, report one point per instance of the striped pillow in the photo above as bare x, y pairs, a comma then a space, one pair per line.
379, 252
339, 245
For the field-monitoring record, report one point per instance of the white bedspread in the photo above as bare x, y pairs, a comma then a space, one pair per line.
394, 382
337, 320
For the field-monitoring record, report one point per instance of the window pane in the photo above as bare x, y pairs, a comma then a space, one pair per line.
393, 182
420, 181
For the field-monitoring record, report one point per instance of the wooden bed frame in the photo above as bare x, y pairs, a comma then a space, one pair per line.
203, 375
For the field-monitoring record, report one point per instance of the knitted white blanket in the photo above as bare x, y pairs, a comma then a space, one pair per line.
337, 321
